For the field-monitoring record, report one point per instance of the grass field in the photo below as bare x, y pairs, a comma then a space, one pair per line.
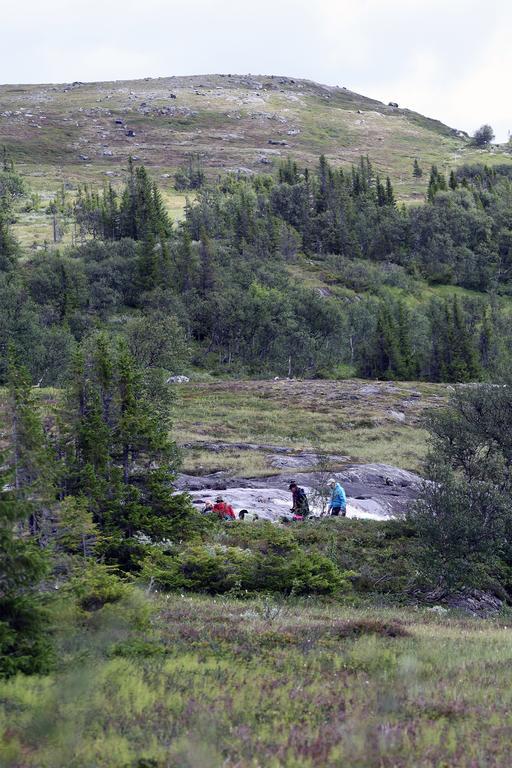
349, 418
178, 682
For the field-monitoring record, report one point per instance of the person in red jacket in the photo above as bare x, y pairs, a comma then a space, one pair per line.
223, 509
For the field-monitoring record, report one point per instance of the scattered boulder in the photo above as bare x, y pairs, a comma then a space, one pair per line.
476, 602
243, 171
302, 461
369, 389
393, 104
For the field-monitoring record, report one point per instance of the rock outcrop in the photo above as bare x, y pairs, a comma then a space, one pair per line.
376, 491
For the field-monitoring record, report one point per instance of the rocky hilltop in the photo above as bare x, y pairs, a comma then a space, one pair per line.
76, 132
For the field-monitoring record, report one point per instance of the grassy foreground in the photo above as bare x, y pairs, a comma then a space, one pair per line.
195, 681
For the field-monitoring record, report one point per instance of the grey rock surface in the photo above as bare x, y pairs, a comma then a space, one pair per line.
376, 491
476, 602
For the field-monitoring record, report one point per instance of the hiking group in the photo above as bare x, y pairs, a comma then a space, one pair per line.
300, 510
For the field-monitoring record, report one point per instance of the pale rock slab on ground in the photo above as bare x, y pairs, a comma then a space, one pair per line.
374, 491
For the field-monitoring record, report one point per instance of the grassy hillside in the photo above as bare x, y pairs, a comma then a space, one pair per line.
84, 132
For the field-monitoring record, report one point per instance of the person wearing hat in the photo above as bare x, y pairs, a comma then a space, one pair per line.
338, 503
300, 505
223, 509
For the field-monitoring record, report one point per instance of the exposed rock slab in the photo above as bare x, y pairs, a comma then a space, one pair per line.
376, 491
273, 503
473, 601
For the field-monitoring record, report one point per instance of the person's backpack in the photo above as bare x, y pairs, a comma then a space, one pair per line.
302, 502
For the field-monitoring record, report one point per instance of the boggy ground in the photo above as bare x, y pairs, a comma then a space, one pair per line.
168, 681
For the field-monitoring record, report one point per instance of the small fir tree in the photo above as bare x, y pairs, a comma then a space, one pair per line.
417, 170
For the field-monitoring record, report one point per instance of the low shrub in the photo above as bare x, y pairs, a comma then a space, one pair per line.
379, 556
218, 569
95, 585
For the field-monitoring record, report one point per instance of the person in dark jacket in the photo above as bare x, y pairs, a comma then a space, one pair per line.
300, 504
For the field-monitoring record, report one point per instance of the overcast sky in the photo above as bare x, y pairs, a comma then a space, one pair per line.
449, 59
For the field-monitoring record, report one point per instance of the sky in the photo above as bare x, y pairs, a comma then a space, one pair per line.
448, 59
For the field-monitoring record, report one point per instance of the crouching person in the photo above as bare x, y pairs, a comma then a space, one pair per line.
300, 504
208, 508
224, 510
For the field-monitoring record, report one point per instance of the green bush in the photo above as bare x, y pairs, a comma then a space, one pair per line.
380, 556
218, 569
95, 585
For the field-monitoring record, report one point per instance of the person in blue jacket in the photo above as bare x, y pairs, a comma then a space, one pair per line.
338, 503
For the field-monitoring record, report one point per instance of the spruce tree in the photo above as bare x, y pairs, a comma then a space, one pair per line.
390, 195
185, 271
207, 272
453, 183
11, 186
464, 365
437, 183
121, 460
408, 369
417, 171
24, 643
76, 531
487, 342
381, 193
387, 357
31, 460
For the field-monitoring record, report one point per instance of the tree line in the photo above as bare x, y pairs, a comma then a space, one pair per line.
220, 287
